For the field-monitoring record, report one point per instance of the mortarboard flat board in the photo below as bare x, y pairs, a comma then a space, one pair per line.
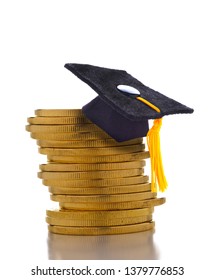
117, 111
123, 108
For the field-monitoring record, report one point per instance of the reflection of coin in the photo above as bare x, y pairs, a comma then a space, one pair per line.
62, 128
93, 151
90, 175
59, 112
97, 222
92, 166
99, 159
103, 198
99, 190
102, 230
97, 183
100, 215
113, 206
82, 136
58, 120
86, 144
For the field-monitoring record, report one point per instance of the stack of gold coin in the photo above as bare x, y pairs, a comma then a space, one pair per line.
99, 183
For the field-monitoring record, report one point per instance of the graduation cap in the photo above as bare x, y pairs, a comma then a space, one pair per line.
123, 107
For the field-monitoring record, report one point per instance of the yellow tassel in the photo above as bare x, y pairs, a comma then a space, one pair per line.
153, 140
157, 171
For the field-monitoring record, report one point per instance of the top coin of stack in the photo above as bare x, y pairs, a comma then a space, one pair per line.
87, 170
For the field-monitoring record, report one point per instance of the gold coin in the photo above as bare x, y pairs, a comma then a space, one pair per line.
57, 120
102, 230
81, 136
113, 206
103, 198
97, 183
59, 113
92, 166
98, 223
99, 190
90, 175
86, 144
98, 215
99, 159
62, 128
93, 151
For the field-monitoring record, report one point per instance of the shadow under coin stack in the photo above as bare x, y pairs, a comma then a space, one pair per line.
99, 183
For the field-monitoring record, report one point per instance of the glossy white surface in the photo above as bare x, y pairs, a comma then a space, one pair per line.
174, 54
139, 246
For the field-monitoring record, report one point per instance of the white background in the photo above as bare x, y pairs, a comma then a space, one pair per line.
169, 46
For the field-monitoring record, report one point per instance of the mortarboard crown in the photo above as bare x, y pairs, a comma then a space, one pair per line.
123, 108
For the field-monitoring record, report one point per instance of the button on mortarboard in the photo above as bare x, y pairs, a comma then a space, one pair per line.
128, 90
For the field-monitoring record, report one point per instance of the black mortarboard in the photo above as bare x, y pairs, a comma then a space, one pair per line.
123, 108
115, 110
